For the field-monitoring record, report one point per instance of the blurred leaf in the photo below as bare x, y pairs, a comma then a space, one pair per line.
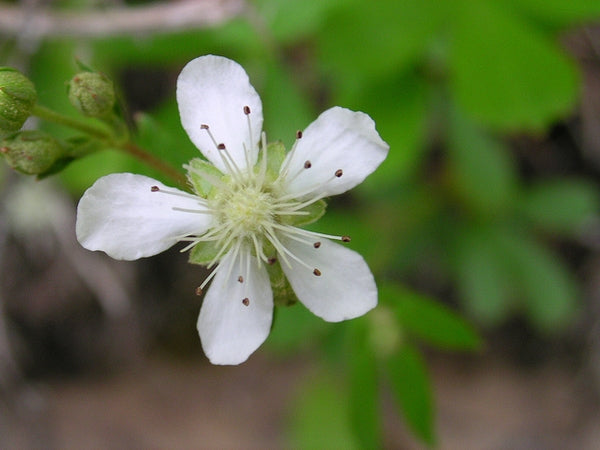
549, 291
504, 72
319, 418
429, 320
412, 388
484, 284
295, 328
293, 19
392, 34
559, 12
561, 206
483, 170
364, 405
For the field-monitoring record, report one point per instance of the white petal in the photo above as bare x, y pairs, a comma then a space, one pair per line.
344, 290
338, 139
121, 216
212, 90
230, 330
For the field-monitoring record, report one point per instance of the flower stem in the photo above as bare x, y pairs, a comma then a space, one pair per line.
52, 116
152, 161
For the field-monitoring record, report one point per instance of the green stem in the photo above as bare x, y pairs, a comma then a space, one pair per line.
152, 161
82, 125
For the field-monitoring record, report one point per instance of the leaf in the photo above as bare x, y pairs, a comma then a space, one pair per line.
364, 405
504, 72
559, 12
411, 386
202, 175
560, 206
429, 320
204, 253
483, 171
319, 417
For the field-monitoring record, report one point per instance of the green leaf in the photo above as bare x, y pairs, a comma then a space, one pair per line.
202, 175
319, 418
560, 206
549, 292
203, 253
429, 320
295, 328
504, 72
559, 12
364, 405
484, 173
412, 389
484, 283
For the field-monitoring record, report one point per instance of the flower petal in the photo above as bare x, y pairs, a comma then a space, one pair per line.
345, 288
230, 327
213, 91
121, 216
337, 139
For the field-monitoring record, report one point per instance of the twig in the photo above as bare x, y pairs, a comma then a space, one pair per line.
157, 17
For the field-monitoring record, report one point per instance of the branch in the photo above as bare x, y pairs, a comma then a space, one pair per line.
158, 17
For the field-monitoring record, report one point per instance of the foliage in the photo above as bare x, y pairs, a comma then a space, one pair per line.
458, 77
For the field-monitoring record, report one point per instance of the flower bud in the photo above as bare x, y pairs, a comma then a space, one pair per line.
31, 152
17, 99
92, 94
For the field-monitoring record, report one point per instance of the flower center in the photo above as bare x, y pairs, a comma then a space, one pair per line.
245, 210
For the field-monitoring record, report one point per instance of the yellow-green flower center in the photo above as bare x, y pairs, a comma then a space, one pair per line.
245, 210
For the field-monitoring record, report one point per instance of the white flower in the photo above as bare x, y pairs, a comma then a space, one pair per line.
246, 209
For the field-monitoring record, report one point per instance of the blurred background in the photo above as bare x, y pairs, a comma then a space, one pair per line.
481, 227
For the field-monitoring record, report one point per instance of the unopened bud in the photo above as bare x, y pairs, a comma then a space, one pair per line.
17, 99
92, 93
31, 152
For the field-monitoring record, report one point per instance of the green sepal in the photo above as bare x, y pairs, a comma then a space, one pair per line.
275, 157
203, 253
315, 212
201, 175
283, 294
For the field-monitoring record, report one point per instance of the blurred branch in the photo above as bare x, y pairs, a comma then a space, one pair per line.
156, 17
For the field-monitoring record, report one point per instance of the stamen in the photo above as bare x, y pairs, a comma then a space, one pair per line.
288, 230
317, 244
317, 272
154, 189
198, 291
339, 173
246, 110
299, 134
221, 146
272, 260
283, 172
212, 138
250, 135
215, 181
307, 164
195, 211
346, 239
240, 279
246, 301
177, 193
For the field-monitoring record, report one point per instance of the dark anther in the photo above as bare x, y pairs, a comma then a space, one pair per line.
204, 126
154, 189
198, 291
339, 173
221, 146
317, 272
299, 134
241, 279
346, 239
272, 260
307, 164
246, 301
317, 244
246, 110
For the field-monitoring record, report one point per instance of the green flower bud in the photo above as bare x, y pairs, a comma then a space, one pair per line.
31, 152
17, 99
92, 94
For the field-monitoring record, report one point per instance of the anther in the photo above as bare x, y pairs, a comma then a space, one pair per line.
198, 291
246, 110
246, 301
204, 127
346, 239
307, 164
299, 134
154, 189
317, 272
317, 244
339, 173
241, 279
221, 146
272, 260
